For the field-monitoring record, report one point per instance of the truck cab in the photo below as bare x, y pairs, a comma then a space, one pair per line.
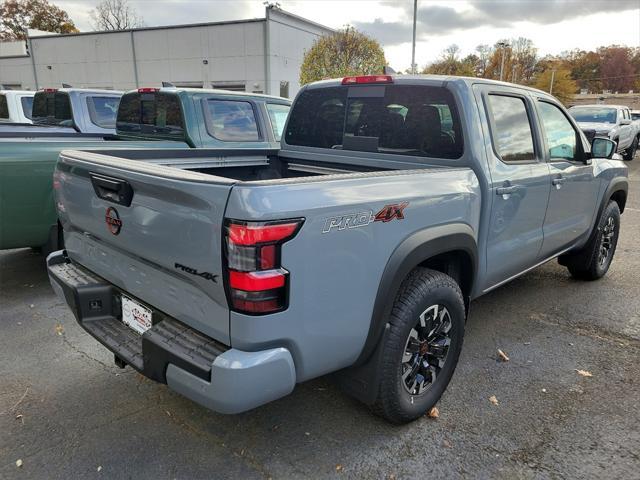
15, 106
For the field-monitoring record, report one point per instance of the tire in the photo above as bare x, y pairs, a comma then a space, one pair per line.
425, 296
630, 152
594, 260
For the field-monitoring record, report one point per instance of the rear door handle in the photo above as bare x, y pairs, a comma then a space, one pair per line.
506, 190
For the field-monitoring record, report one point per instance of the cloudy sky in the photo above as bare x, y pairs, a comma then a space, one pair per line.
553, 25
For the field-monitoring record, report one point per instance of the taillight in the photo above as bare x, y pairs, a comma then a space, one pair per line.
367, 79
256, 281
49, 90
148, 90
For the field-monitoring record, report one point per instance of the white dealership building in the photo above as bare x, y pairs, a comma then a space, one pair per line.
259, 55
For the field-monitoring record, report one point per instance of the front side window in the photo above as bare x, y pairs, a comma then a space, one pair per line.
232, 121
562, 140
278, 114
103, 111
4, 108
396, 119
27, 106
156, 114
511, 128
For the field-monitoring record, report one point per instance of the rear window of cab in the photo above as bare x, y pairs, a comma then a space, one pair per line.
52, 108
4, 108
151, 113
414, 120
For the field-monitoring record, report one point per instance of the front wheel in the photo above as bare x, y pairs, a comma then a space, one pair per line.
594, 260
630, 152
422, 347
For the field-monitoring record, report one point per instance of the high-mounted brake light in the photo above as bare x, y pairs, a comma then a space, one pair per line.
148, 90
50, 90
256, 280
367, 79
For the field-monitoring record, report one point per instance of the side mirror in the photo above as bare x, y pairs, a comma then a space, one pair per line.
625, 121
603, 148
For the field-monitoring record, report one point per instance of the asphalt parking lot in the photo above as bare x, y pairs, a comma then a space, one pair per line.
66, 411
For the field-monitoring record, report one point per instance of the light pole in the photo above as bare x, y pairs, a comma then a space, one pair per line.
413, 45
553, 76
502, 45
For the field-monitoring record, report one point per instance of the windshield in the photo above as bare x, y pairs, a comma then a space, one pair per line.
27, 106
278, 116
396, 119
52, 109
593, 114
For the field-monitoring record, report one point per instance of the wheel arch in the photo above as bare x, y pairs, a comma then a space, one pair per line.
450, 249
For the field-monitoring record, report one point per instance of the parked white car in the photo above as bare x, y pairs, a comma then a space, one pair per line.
611, 121
16, 106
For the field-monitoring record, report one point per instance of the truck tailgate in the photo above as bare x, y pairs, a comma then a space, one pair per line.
153, 231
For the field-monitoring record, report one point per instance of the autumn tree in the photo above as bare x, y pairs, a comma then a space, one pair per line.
563, 85
617, 68
344, 53
115, 15
449, 63
18, 15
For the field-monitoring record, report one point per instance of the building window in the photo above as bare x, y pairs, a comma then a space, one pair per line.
233, 86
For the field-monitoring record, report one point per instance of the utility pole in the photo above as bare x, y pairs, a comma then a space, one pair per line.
503, 45
553, 76
413, 45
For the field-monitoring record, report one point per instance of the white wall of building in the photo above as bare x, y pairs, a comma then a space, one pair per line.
227, 54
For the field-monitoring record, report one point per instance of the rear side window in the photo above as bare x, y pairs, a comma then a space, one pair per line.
511, 128
232, 121
4, 108
395, 119
103, 111
151, 114
278, 114
27, 106
52, 109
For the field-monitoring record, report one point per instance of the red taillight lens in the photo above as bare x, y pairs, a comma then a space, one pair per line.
367, 79
257, 282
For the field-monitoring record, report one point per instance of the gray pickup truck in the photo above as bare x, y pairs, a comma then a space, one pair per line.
355, 248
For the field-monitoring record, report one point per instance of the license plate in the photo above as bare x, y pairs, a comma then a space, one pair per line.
135, 316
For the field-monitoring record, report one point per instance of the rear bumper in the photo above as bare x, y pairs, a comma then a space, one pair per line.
218, 377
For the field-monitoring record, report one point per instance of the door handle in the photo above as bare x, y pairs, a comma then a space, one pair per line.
558, 181
506, 190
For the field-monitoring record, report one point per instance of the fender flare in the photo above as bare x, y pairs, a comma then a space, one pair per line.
413, 250
616, 184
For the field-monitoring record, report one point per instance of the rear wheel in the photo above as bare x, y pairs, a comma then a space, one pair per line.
630, 152
422, 346
594, 260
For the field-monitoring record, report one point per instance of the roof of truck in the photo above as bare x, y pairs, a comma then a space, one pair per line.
420, 78
219, 91
17, 92
85, 90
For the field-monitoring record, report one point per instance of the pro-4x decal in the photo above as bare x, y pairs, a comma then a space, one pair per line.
362, 219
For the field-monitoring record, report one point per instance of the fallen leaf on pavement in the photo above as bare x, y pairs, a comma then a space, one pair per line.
99, 468
338, 468
502, 356
493, 400
584, 373
59, 329
433, 412
447, 443
18, 463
